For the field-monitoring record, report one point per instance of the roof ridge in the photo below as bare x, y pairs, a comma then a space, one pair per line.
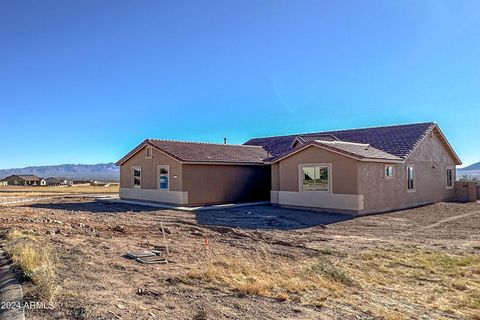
343, 142
206, 143
350, 129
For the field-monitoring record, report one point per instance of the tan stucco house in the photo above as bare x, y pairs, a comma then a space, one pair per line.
355, 171
23, 180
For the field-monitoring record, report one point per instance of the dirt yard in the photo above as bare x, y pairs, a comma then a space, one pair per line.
256, 262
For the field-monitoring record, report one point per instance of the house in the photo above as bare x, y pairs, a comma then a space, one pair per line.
25, 180
56, 181
355, 171
3, 183
190, 173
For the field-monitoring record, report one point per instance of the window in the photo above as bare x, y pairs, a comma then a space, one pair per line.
314, 178
389, 172
411, 178
163, 183
449, 177
148, 152
137, 177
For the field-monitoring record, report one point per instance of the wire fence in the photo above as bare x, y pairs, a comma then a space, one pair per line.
13, 200
23, 199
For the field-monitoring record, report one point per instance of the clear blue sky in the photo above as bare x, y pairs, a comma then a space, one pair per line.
84, 81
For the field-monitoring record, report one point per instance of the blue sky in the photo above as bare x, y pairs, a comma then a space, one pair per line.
85, 81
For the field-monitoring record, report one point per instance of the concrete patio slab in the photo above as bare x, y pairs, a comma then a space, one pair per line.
192, 209
11, 294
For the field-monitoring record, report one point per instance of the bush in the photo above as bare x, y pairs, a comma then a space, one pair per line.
331, 270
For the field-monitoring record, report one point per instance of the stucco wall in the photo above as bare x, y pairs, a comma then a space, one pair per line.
430, 159
344, 170
275, 177
149, 170
466, 191
209, 184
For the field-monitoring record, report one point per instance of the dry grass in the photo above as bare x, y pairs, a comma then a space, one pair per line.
449, 283
446, 282
262, 274
36, 262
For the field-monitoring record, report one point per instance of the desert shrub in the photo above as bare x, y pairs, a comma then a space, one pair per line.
331, 270
469, 178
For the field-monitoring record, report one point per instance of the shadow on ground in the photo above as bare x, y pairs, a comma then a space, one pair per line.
268, 217
254, 217
94, 207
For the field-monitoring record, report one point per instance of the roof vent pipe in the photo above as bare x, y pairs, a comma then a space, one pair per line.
225, 140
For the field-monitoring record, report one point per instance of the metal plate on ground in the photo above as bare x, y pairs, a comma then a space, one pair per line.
141, 254
152, 260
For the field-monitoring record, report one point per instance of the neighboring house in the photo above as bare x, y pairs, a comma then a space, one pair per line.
56, 181
3, 183
25, 180
356, 171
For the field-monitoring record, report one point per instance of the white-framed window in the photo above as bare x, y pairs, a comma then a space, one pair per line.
389, 171
148, 152
137, 177
315, 177
164, 177
449, 177
411, 178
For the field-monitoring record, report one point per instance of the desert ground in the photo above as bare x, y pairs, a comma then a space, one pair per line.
34, 191
258, 262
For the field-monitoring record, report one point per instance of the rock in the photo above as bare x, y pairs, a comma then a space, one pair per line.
119, 228
148, 292
120, 306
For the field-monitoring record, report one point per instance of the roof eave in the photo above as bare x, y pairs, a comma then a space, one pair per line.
339, 151
146, 142
434, 126
458, 162
140, 147
244, 163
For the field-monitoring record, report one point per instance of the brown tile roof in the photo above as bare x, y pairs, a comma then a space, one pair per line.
29, 177
359, 151
399, 140
393, 143
321, 137
204, 152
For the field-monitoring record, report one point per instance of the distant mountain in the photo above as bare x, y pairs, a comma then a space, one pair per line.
101, 171
471, 170
475, 166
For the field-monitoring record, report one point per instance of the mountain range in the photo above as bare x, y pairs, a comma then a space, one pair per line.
471, 170
100, 171
109, 171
